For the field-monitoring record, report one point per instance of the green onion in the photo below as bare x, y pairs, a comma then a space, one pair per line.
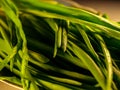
47, 45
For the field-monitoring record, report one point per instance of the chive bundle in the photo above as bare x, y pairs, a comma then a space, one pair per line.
47, 45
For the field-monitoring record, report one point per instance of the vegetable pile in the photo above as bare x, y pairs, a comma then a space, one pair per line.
45, 45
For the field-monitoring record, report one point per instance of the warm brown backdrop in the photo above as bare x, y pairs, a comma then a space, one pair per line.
110, 7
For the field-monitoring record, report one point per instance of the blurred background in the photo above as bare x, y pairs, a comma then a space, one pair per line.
110, 7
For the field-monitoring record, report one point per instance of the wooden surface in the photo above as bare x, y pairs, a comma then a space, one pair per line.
5, 86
